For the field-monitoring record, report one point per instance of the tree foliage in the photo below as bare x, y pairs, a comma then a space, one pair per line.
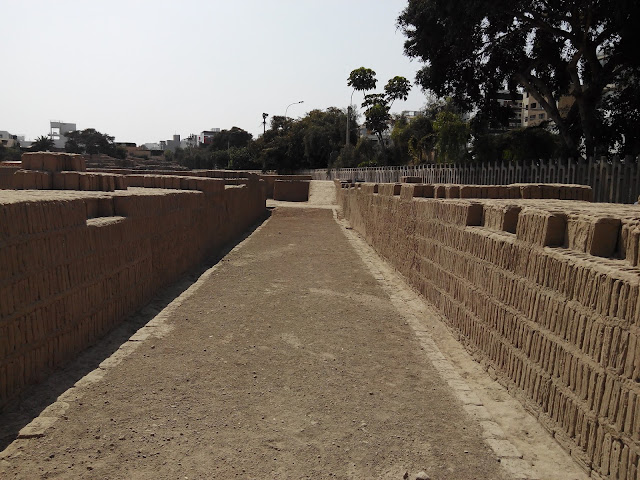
413, 140
577, 49
42, 144
313, 141
362, 79
452, 136
234, 137
10, 154
378, 105
534, 143
92, 142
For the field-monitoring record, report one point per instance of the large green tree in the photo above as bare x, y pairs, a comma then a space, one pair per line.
234, 137
378, 105
92, 142
310, 142
577, 49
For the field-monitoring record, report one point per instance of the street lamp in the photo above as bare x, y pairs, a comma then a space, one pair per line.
285, 111
349, 119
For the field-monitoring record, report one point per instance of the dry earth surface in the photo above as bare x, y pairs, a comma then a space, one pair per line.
299, 355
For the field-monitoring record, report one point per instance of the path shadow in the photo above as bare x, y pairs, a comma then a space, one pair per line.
35, 398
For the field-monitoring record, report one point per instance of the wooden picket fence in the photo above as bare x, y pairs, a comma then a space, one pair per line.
614, 180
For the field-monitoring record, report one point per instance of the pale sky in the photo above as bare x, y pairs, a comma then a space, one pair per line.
143, 70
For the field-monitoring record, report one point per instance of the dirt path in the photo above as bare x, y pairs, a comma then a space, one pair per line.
291, 358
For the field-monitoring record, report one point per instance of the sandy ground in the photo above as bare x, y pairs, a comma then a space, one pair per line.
299, 355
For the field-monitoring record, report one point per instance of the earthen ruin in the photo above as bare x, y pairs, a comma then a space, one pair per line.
538, 282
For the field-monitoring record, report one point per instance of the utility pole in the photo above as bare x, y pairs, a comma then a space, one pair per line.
264, 131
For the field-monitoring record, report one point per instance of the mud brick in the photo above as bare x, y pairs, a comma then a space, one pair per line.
439, 191
452, 191
501, 217
184, 183
58, 181
120, 182
389, 189
51, 162
493, 191
541, 227
408, 192
147, 181
94, 182
27, 160
513, 191
29, 179
214, 186
105, 207
77, 163
71, 181
411, 179
550, 191
468, 191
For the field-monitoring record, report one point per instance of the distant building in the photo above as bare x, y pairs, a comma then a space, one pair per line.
58, 131
532, 112
206, 136
190, 141
505, 100
8, 140
411, 114
171, 144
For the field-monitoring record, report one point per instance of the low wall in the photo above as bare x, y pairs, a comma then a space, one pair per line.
271, 179
73, 264
545, 293
291, 190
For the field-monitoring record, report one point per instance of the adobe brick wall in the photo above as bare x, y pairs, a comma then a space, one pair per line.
75, 264
544, 292
271, 179
291, 190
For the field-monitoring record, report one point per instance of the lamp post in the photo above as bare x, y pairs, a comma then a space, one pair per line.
285, 110
349, 118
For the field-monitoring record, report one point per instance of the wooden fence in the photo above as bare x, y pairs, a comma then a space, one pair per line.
615, 180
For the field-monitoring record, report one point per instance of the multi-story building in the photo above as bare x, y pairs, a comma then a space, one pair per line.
504, 98
532, 113
8, 140
206, 136
58, 131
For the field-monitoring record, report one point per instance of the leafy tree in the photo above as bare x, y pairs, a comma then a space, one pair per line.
452, 135
42, 144
534, 143
362, 79
551, 48
235, 137
10, 154
310, 142
378, 105
377, 115
90, 141
413, 140
397, 88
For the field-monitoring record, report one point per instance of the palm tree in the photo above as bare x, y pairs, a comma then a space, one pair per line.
42, 144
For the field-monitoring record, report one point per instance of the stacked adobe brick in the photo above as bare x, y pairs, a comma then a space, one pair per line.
73, 264
544, 292
61, 171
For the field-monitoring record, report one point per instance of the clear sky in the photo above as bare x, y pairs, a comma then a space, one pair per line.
143, 70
